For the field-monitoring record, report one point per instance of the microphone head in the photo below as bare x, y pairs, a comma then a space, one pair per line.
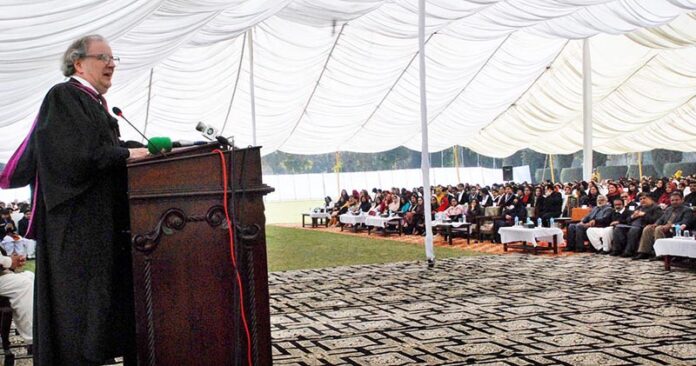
157, 145
117, 111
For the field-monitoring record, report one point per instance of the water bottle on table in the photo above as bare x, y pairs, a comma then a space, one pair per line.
539, 222
517, 221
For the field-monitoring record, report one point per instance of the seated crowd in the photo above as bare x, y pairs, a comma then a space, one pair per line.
625, 216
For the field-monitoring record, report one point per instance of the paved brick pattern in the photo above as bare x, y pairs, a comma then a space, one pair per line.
510, 309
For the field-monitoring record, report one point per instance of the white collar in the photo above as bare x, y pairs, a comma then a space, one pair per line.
84, 82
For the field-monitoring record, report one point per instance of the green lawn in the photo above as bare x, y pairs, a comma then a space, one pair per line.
288, 212
295, 248
290, 248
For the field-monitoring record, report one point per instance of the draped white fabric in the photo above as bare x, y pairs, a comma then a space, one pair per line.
341, 74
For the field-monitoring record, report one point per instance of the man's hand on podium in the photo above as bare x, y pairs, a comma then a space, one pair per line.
138, 153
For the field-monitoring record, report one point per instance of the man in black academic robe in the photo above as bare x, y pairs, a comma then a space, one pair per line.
73, 158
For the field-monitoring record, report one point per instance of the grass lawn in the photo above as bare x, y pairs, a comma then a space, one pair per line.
290, 248
288, 212
30, 265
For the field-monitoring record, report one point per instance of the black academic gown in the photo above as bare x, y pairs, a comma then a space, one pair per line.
83, 306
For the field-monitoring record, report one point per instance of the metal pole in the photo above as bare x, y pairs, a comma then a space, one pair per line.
251, 86
149, 97
425, 163
337, 169
553, 176
586, 111
455, 153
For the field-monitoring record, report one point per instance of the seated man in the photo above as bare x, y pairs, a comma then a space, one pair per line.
599, 216
551, 205
690, 199
676, 214
601, 237
6, 222
514, 209
19, 288
626, 237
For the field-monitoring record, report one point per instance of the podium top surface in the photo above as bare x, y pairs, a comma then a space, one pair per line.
183, 152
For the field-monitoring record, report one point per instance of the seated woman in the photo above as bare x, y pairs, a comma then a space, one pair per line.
338, 207
664, 200
455, 211
474, 211
395, 204
409, 216
365, 204
486, 198
527, 197
406, 207
418, 222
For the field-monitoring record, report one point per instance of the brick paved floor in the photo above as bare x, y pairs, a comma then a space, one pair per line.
512, 309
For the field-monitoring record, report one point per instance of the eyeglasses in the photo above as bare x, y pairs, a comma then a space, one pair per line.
106, 58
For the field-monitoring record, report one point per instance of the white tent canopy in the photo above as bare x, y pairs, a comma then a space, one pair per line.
342, 75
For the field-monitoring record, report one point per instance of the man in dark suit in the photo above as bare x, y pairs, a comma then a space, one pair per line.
626, 237
462, 195
551, 206
675, 214
507, 197
23, 223
599, 216
514, 209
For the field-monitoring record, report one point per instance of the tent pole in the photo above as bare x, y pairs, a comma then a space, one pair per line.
251, 86
337, 169
553, 176
456, 162
149, 97
586, 111
236, 82
640, 165
543, 171
425, 163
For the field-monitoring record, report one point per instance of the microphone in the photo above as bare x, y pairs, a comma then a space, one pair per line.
117, 111
185, 143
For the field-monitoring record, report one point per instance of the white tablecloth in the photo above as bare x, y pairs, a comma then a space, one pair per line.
519, 233
448, 223
685, 247
352, 219
378, 221
319, 215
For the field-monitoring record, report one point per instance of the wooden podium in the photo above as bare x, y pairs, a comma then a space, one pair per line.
187, 302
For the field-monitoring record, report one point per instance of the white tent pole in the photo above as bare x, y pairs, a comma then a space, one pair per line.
425, 163
251, 86
149, 97
236, 81
586, 111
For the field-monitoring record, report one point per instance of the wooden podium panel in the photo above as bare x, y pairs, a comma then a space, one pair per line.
186, 296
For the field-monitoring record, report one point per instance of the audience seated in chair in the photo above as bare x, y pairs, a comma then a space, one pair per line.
601, 237
19, 288
599, 216
626, 237
675, 214
551, 205
514, 209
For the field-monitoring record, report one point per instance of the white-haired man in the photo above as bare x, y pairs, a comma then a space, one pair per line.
84, 302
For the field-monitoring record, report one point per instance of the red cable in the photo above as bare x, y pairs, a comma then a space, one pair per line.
234, 258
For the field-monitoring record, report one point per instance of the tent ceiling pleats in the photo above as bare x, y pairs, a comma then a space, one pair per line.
340, 75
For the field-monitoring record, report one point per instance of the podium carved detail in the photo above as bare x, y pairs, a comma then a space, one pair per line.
187, 293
